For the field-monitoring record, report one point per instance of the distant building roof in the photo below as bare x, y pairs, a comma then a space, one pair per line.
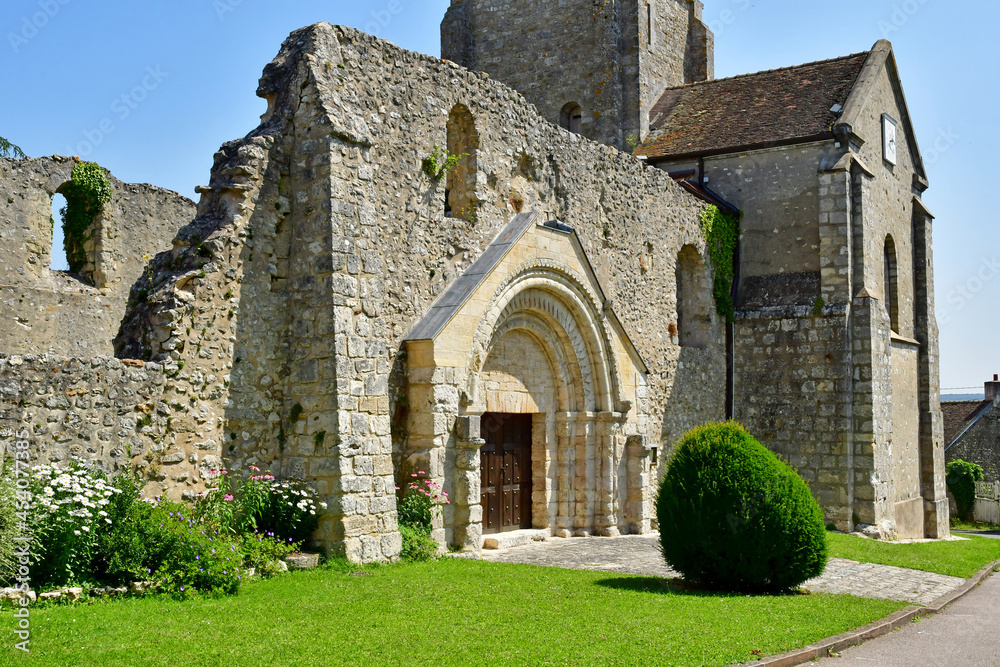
751, 111
959, 415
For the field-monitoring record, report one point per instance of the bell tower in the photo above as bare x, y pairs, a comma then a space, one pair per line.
596, 67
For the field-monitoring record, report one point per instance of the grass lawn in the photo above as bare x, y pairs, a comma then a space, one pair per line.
958, 524
445, 612
958, 559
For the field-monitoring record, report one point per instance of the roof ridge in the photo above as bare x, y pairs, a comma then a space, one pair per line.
767, 71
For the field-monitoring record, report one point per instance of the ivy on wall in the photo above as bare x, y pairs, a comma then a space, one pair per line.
86, 194
722, 233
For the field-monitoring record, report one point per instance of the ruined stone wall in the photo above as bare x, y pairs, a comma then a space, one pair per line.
603, 56
320, 241
51, 311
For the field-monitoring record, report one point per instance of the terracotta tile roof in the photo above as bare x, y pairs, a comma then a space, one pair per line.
751, 111
958, 415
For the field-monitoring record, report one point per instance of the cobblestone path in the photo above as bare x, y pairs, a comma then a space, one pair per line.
640, 554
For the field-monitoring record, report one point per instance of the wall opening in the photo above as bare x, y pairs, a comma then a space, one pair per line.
890, 284
571, 118
463, 144
58, 262
694, 299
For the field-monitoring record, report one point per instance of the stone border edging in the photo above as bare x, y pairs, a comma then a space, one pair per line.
883, 626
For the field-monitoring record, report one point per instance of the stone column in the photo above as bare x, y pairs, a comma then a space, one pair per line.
608, 428
584, 473
932, 467
565, 427
638, 499
467, 511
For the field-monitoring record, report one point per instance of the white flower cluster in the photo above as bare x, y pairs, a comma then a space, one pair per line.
76, 495
297, 494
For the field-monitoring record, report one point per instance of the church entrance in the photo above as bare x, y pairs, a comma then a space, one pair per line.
505, 471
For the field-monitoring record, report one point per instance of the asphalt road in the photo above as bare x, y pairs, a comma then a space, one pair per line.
966, 634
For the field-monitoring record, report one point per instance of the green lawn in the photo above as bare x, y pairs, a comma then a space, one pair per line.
445, 612
958, 559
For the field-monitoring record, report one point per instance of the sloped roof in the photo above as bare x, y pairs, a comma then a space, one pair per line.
959, 415
751, 111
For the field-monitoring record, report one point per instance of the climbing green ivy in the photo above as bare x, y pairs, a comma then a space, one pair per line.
722, 233
440, 162
86, 194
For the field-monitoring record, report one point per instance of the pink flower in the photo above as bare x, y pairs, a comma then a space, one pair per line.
228, 497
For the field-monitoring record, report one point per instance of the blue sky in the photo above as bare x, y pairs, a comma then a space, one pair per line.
152, 89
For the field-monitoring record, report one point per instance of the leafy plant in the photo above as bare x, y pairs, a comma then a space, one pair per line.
632, 142
440, 162
67, 509
127, 538
722, 235
193, 558
264, 552
416, 517
86, 194
8, 149
8, 521
732, 516
961, 477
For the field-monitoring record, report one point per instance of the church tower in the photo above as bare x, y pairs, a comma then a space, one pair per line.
596, 67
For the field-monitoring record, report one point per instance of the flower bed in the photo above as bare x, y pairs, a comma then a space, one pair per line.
89, 533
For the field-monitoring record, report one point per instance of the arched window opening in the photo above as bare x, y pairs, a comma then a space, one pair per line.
571, 118
463, 143
694, 299
58, 262
890, 283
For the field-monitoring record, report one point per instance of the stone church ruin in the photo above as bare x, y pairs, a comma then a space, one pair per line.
531, 323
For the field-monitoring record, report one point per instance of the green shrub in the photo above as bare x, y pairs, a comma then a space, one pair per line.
8, 521
732, 516
961, 478
189, 558
127, 541
263, 552
417, 544
416, 510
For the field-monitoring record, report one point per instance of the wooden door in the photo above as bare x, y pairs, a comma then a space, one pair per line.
505, 471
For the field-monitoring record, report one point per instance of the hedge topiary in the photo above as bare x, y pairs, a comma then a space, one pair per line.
734, 517
961, 478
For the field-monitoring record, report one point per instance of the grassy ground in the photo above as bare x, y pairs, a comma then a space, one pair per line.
959, 558
958, 524
446, 612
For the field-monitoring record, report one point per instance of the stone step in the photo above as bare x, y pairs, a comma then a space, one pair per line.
515, 538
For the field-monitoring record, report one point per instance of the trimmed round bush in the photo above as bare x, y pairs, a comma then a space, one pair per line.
734, 517
961, 477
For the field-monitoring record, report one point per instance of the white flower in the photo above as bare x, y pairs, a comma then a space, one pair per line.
76, 532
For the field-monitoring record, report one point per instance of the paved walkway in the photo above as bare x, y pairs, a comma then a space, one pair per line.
640, 554
965, 634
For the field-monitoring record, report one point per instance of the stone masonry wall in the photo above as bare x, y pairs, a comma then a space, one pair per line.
101, 409
981, 444
599, 56
51, 311
319, 242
